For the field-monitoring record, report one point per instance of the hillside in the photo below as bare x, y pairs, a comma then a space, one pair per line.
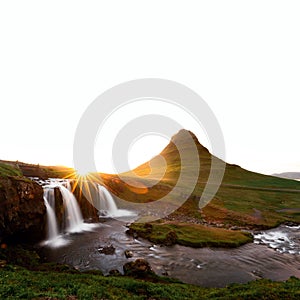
245, 199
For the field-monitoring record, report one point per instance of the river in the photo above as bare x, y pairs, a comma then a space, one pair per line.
275, 254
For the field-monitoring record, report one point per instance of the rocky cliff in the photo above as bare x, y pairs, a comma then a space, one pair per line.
22, 209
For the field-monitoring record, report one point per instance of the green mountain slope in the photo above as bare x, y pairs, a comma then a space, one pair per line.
245, 198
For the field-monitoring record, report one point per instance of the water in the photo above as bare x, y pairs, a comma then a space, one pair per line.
74, 222
51, 221
54, 239
107, 206
211, 267
284, 239
74, 217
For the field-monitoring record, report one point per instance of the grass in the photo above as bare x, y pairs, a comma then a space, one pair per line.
19, 283
7, 170
192, 235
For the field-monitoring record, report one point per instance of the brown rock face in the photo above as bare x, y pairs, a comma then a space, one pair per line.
88, 210
22, 209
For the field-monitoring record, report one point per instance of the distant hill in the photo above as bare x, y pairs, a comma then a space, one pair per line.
289, 175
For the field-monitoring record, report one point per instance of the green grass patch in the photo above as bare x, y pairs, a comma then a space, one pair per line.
192, 235
7, 170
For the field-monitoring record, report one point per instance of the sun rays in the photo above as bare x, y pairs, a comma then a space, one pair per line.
83, 181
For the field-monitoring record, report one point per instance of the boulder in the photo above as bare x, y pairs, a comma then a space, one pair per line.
138, 268
114, 272
128, 253
171, 238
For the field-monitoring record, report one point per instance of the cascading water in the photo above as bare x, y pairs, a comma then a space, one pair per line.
107, 205
52, 233
54, 239
74, 217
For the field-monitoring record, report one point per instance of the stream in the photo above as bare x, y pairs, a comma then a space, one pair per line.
274, 254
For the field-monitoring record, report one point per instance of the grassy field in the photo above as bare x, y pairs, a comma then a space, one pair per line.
19, 283
24, 276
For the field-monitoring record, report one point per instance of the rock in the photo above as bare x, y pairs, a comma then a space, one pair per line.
88, 210
128, 253
234, 228
108, 250
114, 272
171, 238
257, 273
22, 209
138, 268
132, 233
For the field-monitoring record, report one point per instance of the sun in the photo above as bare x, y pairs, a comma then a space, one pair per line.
83, 179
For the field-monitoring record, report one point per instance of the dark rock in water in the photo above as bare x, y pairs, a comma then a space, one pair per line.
138, 268
128, 253
171, 238
108, 250
257, 273
114, 272
22, 209
132, 233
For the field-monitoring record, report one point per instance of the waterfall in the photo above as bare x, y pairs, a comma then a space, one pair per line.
51, 220
107, 205
73, 214
73, 219
54, 239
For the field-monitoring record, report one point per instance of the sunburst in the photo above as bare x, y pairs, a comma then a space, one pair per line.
82, 181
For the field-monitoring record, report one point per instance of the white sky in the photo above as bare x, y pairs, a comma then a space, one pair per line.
241, 57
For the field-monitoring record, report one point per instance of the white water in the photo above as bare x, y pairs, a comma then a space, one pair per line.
284, 239
73, 214
107, 205
73, 217
54, 239
51, 221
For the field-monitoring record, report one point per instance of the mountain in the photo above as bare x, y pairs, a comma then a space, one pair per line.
288, 175
245, 199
